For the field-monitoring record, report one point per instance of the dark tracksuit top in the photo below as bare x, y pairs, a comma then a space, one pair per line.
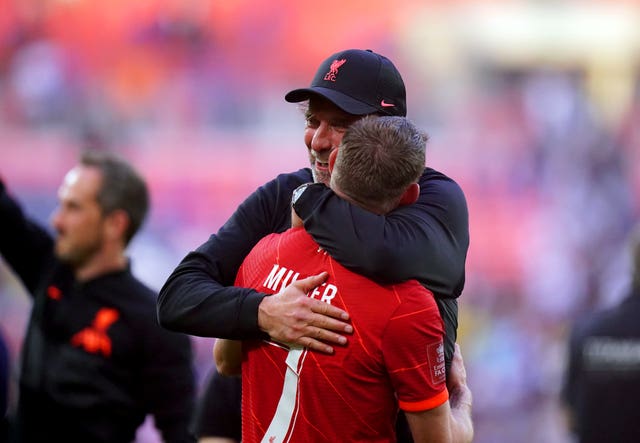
95, 361
602, 379
427, 241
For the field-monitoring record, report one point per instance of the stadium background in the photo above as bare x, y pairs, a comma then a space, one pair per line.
532, 106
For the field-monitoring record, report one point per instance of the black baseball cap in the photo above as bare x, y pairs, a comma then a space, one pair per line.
359, 82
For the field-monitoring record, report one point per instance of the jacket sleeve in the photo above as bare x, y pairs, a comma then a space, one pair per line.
169, 383
427, 240
198, 298
26, 246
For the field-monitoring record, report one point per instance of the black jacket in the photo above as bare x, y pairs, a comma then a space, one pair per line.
95, 362
427, 241
602, 379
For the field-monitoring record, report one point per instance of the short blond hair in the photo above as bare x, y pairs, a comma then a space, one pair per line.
379, 157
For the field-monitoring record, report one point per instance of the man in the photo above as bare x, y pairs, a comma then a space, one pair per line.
396, 355
427, 241
602, 380
95, 362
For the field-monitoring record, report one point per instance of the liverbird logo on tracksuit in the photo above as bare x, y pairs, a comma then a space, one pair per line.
94, 339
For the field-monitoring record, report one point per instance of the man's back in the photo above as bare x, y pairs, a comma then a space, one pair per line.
349, 396
603, 377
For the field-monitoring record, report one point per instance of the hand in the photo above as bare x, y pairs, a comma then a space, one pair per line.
459, 392
292, 317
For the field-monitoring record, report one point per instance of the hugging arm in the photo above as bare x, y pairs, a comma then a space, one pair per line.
427, 240
199, 297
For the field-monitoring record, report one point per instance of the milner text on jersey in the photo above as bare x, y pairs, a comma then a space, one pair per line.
280, 277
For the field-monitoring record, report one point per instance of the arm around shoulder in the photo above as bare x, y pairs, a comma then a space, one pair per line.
199, 298
427, 240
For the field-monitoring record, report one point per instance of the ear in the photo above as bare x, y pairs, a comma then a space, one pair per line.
332, 160
117, 223
410, 195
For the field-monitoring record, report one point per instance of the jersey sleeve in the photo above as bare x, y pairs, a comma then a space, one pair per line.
427, 240
413, 350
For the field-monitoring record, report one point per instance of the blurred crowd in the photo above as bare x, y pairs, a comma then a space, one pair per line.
194, 96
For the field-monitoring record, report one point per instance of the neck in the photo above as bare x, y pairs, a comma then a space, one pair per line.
364, 205
100, 265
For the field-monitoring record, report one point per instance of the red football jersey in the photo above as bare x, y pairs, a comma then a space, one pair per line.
394, 358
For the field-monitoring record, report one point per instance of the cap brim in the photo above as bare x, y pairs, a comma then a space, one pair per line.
342, 101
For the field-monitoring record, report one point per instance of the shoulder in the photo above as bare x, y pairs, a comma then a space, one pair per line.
292, 241
129, 294
620, 320
436, 182
444, 198
142, 308
266, 242
414, 292
138, 288
290, 180
416, 312
277, 192
434, 174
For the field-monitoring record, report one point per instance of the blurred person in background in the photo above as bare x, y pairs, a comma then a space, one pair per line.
602, 380
4, 387
217, 418
427, 241
396, 358
94, 362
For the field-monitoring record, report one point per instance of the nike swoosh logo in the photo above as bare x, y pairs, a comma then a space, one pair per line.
385, 104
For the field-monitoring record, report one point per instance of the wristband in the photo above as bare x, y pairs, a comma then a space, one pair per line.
298, 192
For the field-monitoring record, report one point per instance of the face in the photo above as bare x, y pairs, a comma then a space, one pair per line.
325, 127
78, 219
